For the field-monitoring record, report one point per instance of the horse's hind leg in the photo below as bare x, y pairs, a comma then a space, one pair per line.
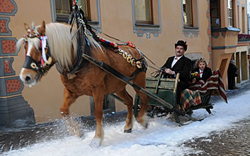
141, 81
129, 102
99, 134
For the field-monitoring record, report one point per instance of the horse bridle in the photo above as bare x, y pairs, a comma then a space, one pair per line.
45, 63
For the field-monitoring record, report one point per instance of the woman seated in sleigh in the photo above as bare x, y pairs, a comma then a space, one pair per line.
202, 80
201, 72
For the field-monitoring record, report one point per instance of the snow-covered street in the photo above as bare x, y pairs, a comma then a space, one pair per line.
163, 136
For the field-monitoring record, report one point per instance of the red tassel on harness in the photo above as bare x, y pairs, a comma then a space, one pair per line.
131, 44
25, 54
42, 61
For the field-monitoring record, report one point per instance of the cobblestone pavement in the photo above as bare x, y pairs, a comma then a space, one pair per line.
232, 142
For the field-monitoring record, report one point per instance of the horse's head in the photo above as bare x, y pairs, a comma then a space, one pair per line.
37, 55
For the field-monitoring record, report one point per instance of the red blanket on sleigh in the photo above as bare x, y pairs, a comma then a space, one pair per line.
191, 96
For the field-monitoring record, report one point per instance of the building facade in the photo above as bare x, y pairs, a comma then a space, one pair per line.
228, 24
210, 28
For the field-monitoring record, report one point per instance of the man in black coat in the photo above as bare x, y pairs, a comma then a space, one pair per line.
179, 64
232, 72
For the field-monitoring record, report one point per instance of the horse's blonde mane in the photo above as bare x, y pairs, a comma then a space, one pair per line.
60, 41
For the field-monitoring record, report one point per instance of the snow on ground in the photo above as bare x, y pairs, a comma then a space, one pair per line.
162, 138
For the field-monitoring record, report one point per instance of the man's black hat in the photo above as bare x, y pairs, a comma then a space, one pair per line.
181, 43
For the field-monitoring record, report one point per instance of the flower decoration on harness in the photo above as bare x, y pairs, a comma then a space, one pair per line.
131, 44
31, 33
195, 75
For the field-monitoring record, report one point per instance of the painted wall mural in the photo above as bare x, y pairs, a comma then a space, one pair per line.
12, 105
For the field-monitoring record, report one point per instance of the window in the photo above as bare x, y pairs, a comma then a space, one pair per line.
190, 17
187, 13
64, 8
143, 11
61, 9
243, 20
238, 17
85, 7
215, 13
190, 13
146, 17
230, 13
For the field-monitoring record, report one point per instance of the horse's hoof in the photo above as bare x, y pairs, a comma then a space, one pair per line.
95, 143
77, 133
146, 125
80, 134
143, 121
128, 130
74, 128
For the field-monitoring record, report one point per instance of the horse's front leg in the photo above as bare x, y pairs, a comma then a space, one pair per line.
72, 126
98, 97
69, 98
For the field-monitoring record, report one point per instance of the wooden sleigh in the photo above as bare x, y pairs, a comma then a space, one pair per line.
165, 88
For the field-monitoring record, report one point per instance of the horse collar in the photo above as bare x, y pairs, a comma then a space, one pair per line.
80, 62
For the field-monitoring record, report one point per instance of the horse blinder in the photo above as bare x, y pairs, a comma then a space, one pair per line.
37, 66
41, 66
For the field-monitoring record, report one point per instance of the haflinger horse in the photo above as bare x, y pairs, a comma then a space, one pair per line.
90, 80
